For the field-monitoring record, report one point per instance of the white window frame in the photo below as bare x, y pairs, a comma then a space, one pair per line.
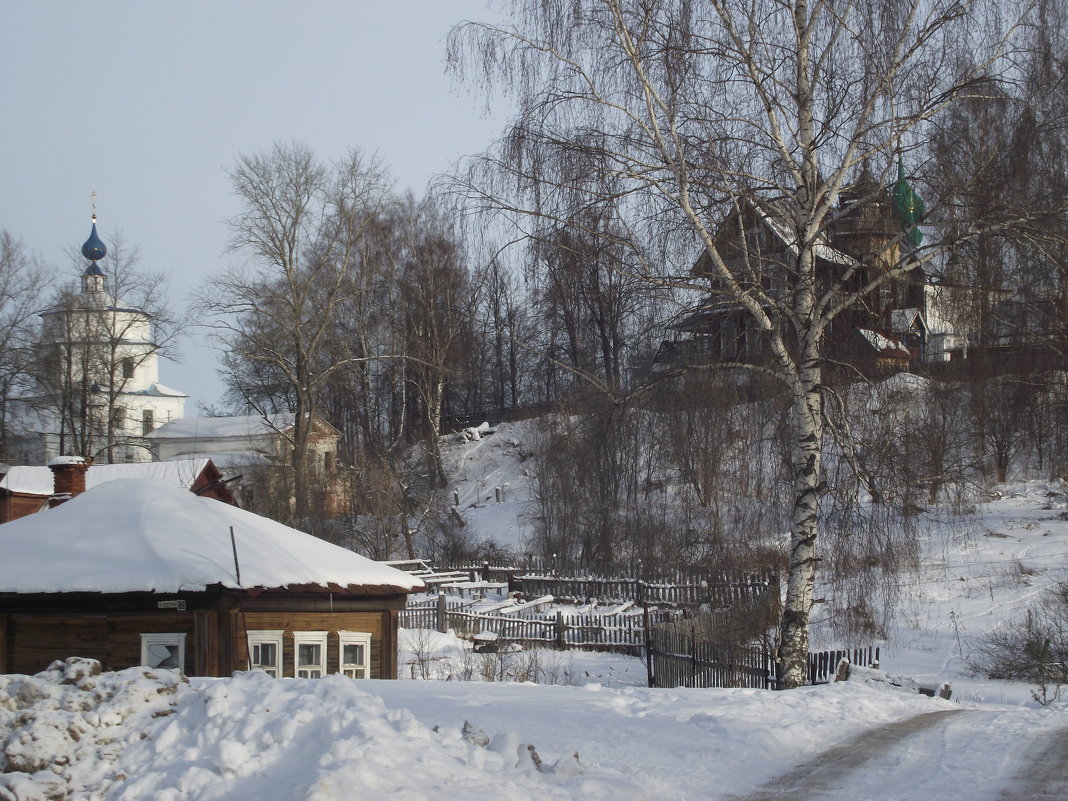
316, 671
171, 638
266, 637
352, 669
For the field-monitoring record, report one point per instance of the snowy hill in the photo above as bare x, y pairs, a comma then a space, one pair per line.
490, 476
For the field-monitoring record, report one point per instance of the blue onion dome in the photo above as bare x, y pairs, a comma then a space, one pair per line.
94, 250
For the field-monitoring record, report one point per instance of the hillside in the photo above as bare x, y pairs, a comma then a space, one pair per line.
976, 569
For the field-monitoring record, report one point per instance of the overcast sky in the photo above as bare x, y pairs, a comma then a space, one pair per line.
148, 104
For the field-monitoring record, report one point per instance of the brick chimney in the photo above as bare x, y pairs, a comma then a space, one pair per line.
69, 478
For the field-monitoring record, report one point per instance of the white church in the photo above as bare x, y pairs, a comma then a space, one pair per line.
100, 394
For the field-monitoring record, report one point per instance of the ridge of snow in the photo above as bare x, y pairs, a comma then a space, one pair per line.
250, 425
37, 480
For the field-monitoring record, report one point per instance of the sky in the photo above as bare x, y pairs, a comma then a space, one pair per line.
148, 105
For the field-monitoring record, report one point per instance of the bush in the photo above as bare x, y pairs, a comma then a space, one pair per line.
1033, 648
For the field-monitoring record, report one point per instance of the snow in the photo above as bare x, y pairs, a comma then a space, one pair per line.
479, 464
35, 480
131, 535
163, 389
138, 734
881, 343
230, 460
214, 427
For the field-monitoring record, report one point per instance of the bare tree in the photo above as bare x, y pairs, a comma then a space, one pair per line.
300, 227
22, 285
677, 115
437, 300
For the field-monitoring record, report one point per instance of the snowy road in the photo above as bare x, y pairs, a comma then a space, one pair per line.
945, 754
813, 744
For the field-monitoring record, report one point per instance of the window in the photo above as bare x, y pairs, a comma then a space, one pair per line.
128, 367
163, 650
118, 417
354, 654
146, 422
265, 652
309, 654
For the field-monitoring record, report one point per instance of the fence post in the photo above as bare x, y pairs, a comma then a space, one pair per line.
561, 642
648, 645
693, 658
443, 625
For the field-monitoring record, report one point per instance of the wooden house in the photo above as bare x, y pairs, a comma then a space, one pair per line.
27, 489
141, 572
868, 235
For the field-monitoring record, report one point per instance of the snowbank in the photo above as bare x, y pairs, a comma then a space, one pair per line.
136, 734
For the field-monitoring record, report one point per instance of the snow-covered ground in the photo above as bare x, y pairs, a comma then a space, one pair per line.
597, 732
153, 735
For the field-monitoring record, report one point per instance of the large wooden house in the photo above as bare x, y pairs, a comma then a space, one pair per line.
872, 232
141, 572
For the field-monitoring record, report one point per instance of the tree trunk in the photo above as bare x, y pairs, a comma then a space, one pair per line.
801, 578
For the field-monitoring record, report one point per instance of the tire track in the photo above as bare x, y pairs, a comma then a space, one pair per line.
1045, 778
824, 774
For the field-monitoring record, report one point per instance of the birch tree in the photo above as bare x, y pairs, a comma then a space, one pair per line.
675, 115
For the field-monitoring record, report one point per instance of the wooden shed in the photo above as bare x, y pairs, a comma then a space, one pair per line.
141, 572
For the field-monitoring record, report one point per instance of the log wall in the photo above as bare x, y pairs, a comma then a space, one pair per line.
35, 641
216, 641
374, 623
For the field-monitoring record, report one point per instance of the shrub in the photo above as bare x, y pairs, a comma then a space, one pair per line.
1033, 648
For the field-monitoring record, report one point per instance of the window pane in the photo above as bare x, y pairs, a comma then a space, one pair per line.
353, 654
162, 655
309, 654
264, 654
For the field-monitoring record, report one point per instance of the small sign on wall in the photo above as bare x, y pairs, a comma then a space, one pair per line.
179, 605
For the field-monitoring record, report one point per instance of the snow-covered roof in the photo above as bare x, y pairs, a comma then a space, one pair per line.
31, 480
788, 237
157, 390
214, 427
34, 480
903, 320
136, 535
882, 343
227, 460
